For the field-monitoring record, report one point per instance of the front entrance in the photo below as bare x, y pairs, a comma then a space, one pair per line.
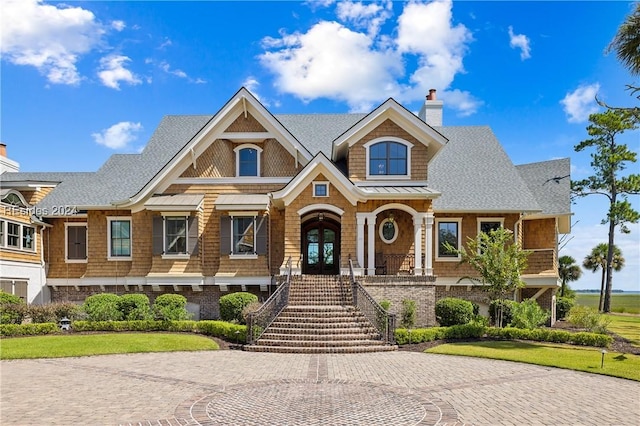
321, 247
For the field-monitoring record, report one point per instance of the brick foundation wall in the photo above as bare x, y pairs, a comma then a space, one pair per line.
396, 289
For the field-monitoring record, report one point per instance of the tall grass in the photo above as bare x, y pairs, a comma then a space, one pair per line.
620, 302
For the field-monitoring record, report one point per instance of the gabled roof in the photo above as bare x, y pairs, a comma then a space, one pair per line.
550, 183
392, 110
474, 173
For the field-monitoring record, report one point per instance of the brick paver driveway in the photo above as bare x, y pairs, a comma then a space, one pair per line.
241, 388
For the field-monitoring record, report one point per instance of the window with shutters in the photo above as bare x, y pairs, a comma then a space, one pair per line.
243, 235
76, 242
175, 236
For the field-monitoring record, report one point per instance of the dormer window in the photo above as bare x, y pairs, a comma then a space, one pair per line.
247, 160
388, 158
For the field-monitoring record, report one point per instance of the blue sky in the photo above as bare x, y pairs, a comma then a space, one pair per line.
84, 80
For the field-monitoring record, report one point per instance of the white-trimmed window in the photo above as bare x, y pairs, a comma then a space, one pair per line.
243, 235
488, 224
75, 247
388, 158
448, 230
247, 160
17, 236
175, 235
119, 238
388, 230
320, 189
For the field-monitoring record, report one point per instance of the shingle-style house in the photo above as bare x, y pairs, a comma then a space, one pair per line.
216, 204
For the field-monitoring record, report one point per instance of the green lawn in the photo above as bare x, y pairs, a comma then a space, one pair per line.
627, 326
620, 302
100, 344
551, 355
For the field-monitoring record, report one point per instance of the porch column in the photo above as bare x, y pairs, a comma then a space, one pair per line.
417, 243
428, 245
371, 244
360, 220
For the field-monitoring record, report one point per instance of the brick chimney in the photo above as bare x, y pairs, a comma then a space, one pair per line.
3, 149
431, 111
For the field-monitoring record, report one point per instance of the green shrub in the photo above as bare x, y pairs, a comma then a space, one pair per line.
528, 314
102, 307
385, 304
591, 339
135, 307
408, 318
453, 311
404, 336
223, 330
9, 330
185, 326
250, 308
505, 306
134, 325
463, 331
588, 318
563, 306
231, 305
42, 313
171, 307
12, 309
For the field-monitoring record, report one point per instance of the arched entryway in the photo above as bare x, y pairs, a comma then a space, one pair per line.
321, 245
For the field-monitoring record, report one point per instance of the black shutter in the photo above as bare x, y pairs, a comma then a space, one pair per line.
261, 235
193, 233
225, 235
81, 242
158, 233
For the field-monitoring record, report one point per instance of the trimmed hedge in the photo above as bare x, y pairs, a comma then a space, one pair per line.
135, 307
171, 307
102, 307
9, 330
12, 309
453, 311
231, 305
473, 330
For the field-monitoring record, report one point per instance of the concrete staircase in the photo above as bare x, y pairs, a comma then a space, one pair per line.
320, 318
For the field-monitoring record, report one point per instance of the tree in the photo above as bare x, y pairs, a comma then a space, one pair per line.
568, 271
608, 161
497, 259
597, 259
626, 44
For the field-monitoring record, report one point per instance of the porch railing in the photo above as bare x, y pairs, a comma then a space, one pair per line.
383, 321
258, 321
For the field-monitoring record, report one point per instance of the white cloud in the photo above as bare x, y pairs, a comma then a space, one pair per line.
47, 37
113, 71
167, 68
332, 60
118, 25
520, 41
463, 101
370, 16
118, 136
580, 103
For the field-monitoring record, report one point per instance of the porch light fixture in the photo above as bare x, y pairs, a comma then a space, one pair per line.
391, 217
320, 217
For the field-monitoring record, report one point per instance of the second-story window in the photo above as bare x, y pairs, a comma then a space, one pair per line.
388, 158
248, 160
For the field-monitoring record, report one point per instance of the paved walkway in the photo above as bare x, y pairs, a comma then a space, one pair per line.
241, 388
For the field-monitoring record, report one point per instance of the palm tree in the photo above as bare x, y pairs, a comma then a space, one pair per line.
626, 43
568, 271
597, 259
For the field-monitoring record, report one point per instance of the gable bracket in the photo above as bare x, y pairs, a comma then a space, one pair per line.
193, 158
244, 106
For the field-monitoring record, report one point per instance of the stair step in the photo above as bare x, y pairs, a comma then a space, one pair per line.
333, 337
335, 328
320, 350
318, 343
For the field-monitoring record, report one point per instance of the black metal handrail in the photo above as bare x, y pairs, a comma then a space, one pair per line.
258, 321
382, 320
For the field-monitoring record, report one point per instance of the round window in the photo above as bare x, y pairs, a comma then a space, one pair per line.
388, 231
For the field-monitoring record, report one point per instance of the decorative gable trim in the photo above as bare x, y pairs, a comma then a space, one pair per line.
319, 165
395, 112
243, 102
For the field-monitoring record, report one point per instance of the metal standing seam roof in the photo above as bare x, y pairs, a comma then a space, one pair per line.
189, 202
398, 190
242, 201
